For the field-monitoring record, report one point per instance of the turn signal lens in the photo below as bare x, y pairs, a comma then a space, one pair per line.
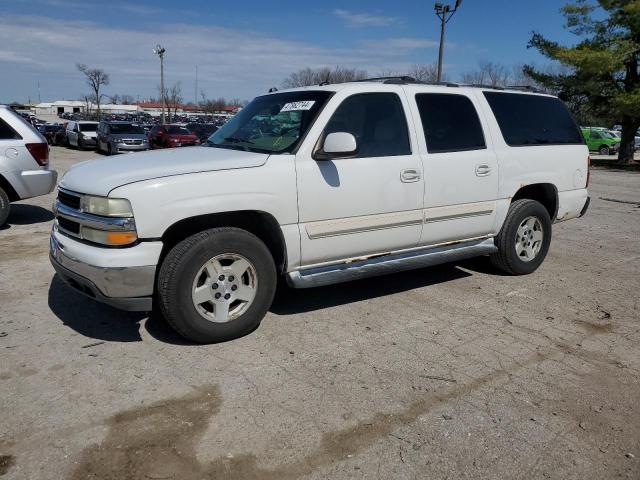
112, 239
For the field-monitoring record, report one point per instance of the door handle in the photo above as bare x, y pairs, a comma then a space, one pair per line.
483, 170
410, 175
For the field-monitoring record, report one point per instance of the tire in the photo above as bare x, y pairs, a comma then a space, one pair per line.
109, 149
80, 145
522, 254
604, 150
5, 207
185, 271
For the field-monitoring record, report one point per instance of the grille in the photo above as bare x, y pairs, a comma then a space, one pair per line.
133, 142
69, 200
69, 225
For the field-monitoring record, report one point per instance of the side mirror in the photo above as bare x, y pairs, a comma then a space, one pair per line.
337, 145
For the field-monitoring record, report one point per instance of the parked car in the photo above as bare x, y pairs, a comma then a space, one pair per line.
49, 131
339, 183
169, 136
81, 134
24, 162
599, 140
118, 137
60, 137
202, 130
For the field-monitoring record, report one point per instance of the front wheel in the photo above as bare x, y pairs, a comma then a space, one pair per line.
5, 207
523, 241
216, 285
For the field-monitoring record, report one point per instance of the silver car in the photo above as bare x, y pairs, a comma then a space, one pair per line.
119, 137
24, 162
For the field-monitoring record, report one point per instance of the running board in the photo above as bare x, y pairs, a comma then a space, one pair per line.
392, 263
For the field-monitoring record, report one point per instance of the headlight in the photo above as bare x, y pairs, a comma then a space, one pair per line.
106, 207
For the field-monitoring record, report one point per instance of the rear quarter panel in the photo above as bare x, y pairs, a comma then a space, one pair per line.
563, 166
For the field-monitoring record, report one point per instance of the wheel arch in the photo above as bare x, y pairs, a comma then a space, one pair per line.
545, 193
262, 224
8, 188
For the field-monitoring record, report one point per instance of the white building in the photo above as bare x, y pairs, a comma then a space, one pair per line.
58, 107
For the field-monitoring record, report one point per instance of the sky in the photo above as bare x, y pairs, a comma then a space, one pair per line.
244, 47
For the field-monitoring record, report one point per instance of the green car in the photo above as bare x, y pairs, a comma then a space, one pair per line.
601, 141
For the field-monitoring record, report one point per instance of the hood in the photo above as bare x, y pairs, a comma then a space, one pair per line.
100, 176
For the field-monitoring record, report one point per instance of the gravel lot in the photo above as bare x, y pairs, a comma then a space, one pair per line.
448, 372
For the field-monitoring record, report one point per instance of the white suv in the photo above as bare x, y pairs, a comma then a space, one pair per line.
321, 185
24, 162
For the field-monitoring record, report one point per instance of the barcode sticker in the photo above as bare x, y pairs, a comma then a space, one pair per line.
302, 105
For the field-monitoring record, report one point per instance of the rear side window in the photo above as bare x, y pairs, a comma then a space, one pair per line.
450, 123
8, 133
533, 120
378, 122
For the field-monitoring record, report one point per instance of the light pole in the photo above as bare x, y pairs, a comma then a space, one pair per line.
159, 50
444, 13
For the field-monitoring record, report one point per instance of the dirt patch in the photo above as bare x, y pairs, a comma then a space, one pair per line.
6, 462
592, 327
155, 441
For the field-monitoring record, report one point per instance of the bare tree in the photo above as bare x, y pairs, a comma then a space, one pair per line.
314, 76
425, 72
172, 97
96, 78
488, 73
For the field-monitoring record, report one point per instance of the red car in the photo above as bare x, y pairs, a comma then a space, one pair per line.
170, 136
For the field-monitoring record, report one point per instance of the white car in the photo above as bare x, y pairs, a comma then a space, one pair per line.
82, 134
24, 162
321, 185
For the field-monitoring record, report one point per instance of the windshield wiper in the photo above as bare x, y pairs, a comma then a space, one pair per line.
237, 140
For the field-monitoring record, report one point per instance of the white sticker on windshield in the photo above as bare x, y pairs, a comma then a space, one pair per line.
302, 105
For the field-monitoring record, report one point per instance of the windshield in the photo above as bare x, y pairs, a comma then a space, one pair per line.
125, 128
272, 123
177, 130
88, 127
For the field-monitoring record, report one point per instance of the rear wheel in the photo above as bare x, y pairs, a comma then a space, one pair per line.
216, 285
5, 207
604, 150
523, 241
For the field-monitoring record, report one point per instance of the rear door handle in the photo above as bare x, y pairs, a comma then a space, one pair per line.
410, 175
483, 170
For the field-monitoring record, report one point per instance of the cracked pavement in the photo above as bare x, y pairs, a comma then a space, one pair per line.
447, 372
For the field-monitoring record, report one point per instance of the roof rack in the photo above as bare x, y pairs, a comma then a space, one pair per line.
526, 88
397, 80
400, 80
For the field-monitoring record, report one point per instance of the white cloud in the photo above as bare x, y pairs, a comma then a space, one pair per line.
231, 62
364, 19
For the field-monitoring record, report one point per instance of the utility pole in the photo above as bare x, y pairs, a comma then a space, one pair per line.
444, 13
195, 96
159, 50
39, 99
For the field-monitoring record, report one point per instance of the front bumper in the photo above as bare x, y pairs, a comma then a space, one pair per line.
124, 286
123, 147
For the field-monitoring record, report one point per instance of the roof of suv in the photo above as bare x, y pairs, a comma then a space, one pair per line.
368, 84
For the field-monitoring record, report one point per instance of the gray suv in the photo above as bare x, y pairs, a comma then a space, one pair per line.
118, 137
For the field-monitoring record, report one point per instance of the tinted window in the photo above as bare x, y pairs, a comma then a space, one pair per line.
125, 128
450, 123
177, 130
533, 119
8, 133
378, 122
88, 127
